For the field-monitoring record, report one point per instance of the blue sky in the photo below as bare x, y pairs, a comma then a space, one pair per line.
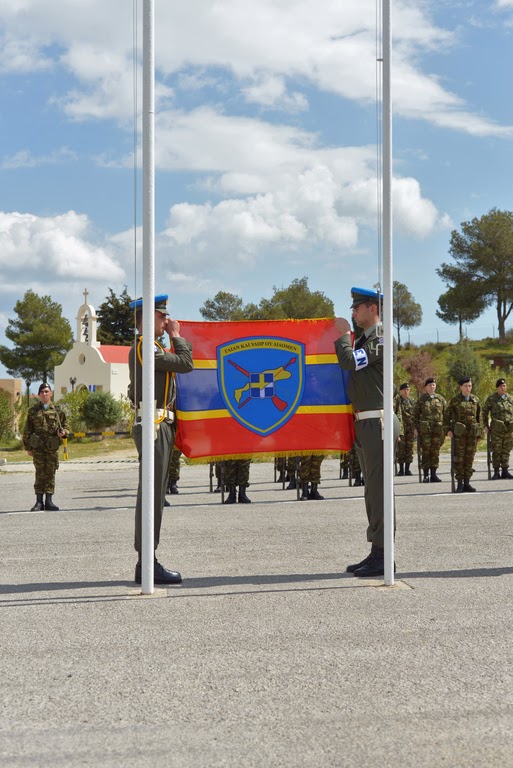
266, 146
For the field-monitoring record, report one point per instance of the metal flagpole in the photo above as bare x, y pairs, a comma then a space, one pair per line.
148, 353
388, 364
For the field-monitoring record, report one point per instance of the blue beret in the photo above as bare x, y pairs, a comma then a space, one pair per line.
160, 303
361, 295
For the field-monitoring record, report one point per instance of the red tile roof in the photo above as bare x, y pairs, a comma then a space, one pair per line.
113, 354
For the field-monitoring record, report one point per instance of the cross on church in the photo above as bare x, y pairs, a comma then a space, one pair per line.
86, 294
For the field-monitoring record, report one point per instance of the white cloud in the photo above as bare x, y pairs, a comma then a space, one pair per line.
266, 46
25, 159
57, 247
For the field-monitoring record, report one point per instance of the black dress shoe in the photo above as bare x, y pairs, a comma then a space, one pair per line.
166, 503
374, 567
160, 574
354, 567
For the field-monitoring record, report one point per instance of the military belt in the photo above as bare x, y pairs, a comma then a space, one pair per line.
361, 415
159, 413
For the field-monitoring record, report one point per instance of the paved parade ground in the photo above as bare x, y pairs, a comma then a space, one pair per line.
269, 654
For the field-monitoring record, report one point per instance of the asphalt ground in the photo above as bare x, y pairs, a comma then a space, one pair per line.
269, 654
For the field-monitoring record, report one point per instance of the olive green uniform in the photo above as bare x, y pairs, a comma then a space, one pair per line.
166, 363
40, 437
365, 391
497, 414
428, 419
463, 419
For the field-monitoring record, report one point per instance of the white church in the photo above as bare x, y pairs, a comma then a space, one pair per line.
90, 365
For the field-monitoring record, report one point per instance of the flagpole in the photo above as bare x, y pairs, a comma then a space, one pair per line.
148, 353
388, 364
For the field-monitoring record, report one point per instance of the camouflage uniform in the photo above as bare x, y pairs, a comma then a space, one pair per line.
428, 419
174, 472
499, 410
40, 437
310, 472
463, 419
236, 472
405, 446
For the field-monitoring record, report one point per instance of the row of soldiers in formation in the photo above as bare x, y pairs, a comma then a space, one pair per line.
427, 420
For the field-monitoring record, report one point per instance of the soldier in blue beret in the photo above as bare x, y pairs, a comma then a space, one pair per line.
166, 364
365, 390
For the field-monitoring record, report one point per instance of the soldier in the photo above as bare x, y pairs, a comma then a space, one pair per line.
498, 421
310, 477
281, 466
463, 425
356, 470
174, 471
46, 424
428, 420
166, 363
365, 390
236, 473
407, 438
344, 465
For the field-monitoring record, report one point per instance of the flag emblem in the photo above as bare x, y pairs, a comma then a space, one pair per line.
261, 380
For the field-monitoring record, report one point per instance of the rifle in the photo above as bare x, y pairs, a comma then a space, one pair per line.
419, 457
489, 454
453, 481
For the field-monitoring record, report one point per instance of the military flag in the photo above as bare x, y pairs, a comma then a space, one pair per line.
262, 388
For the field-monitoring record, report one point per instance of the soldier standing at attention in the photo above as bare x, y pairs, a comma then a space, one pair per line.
463, 424
405, 446
45, 426
498, 421
428, 420
236, 473
166, 364
174, 471
310, 478
365, 390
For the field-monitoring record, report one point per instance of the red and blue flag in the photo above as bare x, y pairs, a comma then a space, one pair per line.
271, 387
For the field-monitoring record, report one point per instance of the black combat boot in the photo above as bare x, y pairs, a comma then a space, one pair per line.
173, 488
434, 476
506, 475
39, 505
292, 485
49, 505
281, 477
357, 479
243, 499
232, 495
407, 470
314, 493
467, 488
426, 476
401, 469
219, 487
459, 487
345, 474
496, 474
304, 492
375, 565
166, 503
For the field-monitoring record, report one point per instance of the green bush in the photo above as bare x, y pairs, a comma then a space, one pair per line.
73, 403
6, 417
101, 411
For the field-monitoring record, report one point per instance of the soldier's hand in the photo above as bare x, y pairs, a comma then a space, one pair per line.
29, 453
342, 325
172, 327
449, 433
